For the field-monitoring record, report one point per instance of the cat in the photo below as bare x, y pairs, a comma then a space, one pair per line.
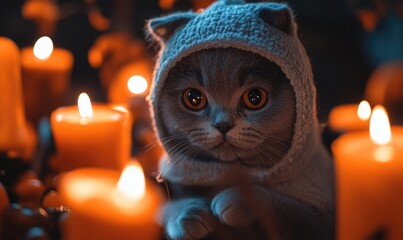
233, 104
229, 124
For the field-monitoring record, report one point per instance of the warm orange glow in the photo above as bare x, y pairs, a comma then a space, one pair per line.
379, 127
43, 48
84, 106
137, 84
132, 181
166, 4
383, 153
364, 110
83, 189
95, 58
121, 108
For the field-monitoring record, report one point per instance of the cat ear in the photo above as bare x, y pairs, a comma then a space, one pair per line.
280, 17
163, 28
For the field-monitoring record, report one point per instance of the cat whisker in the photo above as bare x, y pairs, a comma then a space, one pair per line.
272, 149
180, 156
279, 142
175, 149
155, 143
278, 139
167, 139
175, 153
187, 152
272, 154
150, 146
260, 159
194, 153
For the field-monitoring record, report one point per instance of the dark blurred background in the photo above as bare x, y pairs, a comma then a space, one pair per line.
345, 39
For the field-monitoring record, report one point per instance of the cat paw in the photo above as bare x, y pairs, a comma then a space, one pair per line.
189, 225
188, 220
233, 208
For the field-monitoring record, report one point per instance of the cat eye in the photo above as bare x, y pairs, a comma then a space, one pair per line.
194, 99
254, 98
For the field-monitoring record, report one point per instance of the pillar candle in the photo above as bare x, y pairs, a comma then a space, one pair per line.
131, 82
15, 135
350, 117
99, 137
4, 203
45, 14
369, 180
46, 77
130, 88
104, 206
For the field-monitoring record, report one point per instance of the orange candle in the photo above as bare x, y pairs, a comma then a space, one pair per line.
104, 206
369, 180
90, 136
4, 203
46, 77
129, 89
350, 117
131, 82
44, 13
3, 198
15, 135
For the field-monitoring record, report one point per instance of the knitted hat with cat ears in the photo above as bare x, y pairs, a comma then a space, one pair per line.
267, 29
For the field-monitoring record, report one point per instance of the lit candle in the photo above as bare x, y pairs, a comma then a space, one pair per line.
369, 175
130, 89
104, 206
46, 77
90, 136
15, 135
349, 117
131, 82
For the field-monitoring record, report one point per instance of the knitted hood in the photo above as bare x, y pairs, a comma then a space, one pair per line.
267, 29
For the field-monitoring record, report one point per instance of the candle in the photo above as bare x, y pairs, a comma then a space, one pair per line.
115, 51
349, 117
130, 89
46, 77
4, 203
15, 135
369, 175
104, 206
90, 136
385, 87
131, 82
44, 13
3, 199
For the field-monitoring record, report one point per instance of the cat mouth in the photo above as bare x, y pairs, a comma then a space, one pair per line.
225, 151
224, 145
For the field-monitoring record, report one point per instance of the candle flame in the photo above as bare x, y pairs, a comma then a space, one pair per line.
132, 181
383, 153
364, 110
379, 127
137, 84
84, 106
43, 48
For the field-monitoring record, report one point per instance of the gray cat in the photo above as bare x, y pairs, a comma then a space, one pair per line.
233, 103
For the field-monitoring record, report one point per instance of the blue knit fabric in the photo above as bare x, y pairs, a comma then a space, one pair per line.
305, 170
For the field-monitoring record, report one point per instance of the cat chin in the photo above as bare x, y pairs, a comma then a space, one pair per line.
226, 152
226, 156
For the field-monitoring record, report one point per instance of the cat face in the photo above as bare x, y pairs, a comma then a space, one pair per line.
227, 105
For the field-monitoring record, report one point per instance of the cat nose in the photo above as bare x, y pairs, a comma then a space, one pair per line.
223, 127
